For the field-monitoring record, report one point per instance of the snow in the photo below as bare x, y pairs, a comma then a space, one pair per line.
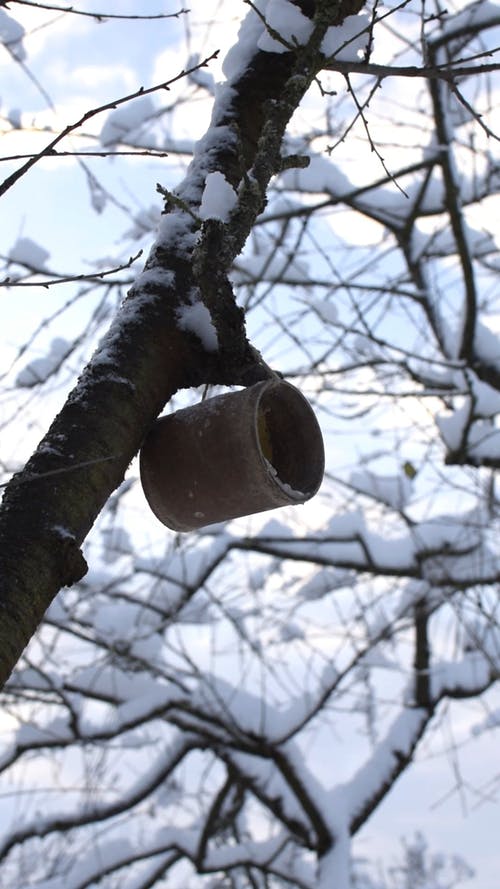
268, 780
473, 566
29, 253
483, 441
200, 77
394, 490
157, 276
144, 222
491, 721
324, 582
137, 710
472, 675
349, 553
335, 866
463, 555
196, 319
181, 572
108, 853
326, 311
448, 534
442, 243
487, 345
118, 620
243, 50
14, 117
392, 554
150, 698
486, 399
320, 176
29, 735
288, 21
219, 198
196, 611
11, 35
117, 544
217, 137
452, 426
175, 228
346, 542
273, 528
471, 425
292, 493
399, 740
348, 41
216, 695
113, 683
480, 13
122, 121
291, 631
39, 370
228, 856
346, 525
63, 532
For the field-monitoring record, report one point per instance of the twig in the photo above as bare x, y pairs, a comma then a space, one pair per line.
108, 106
472, 111
8, 282
100, 16
430, 72
147, 153
361, 114
453, 204
275, 35
33, 477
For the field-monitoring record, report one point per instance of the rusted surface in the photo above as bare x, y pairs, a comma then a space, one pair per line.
233, 455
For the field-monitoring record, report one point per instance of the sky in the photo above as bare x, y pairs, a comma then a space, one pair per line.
80, 65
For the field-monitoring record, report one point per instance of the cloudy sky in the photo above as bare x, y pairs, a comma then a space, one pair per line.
68, 65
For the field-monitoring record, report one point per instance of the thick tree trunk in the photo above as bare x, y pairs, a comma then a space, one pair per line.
50, 506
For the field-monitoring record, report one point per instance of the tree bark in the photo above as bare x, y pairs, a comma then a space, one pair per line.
49, 507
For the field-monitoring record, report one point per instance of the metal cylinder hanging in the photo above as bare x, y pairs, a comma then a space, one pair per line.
232, 455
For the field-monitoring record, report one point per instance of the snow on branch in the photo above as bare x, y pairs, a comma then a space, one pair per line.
151, 779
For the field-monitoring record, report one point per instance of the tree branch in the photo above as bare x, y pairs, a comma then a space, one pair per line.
99, 16
146, 356
11, 180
